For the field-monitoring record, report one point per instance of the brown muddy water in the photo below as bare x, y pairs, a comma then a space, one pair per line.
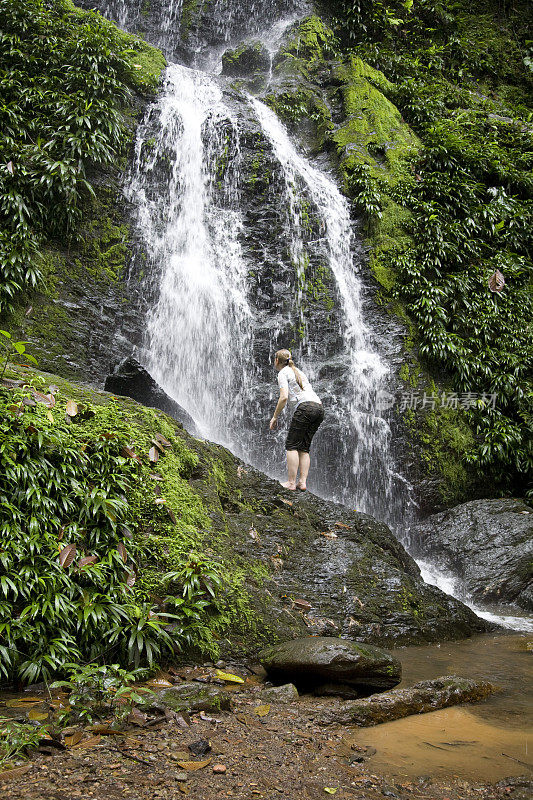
487, 741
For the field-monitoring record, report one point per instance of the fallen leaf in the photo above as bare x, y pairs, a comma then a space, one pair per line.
121, 550
171, 515
49, 416
287, 502
161, 438
302, 604
329, 535
9, 166
227, 676
130, 580
74, 738
347, 527
159, 445
153, 454
16, 772
191, 766
72, 408
262, 711
91, 742
37, 716
330, 790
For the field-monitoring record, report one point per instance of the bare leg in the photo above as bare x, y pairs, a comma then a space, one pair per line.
304, 461
292, 469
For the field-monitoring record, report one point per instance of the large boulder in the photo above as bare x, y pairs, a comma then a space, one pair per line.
488, 544
190, 697
425, 696
317, 659
130, 379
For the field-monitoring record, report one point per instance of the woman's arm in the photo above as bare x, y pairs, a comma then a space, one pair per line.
282, 402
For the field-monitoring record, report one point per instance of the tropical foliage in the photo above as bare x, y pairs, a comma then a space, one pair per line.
462, 78
64, 81
72, 492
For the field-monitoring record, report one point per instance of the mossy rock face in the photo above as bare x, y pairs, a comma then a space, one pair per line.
246, 60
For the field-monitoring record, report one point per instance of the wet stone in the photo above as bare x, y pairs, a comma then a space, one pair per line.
280, 694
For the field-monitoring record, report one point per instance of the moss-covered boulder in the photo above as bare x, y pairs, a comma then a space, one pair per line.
450, 690
319, 659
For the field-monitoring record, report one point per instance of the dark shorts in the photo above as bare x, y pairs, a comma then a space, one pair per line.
303, 427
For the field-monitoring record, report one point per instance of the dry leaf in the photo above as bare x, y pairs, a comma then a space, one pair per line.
49, 416
37, 716
342, 525
153, 455
496, 281
92, 742
287, 502
74, 738
67, 555
161, 438
9, 166
121, 550
191, 766
130, 580
159, 445
19, 703
72, 408
171, 515
330, 790
86, 560
227, 676
105, 730
53, 389
262, 711
16, 772
329, 535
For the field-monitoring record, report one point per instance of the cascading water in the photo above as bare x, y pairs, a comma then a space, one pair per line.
198, 329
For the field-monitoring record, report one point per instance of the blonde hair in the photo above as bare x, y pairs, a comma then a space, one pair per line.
285, 356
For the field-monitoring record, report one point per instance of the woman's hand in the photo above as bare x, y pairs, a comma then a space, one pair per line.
273, 424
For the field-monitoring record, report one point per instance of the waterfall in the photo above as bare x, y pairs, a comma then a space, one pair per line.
209, 340
187, 151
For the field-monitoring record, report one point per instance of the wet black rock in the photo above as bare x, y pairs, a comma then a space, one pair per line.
320, 659
246, 60
131, 379
425, 696
488, 544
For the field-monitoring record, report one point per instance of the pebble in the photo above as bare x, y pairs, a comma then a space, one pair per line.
181, 776
219, 769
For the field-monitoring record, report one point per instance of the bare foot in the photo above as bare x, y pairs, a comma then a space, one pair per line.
290, 486
301, 486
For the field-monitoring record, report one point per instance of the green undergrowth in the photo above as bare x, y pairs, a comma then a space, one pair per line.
109, 552
68, 83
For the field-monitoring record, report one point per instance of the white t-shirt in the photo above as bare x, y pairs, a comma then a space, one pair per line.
287, 380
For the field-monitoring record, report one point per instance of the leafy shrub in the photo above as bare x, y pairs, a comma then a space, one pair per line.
64, 78
16, 740
98, 691
70, 493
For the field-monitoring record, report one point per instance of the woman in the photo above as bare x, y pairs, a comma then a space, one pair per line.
308, 414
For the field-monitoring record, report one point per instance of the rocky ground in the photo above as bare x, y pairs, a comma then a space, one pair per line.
255, 750
284, 755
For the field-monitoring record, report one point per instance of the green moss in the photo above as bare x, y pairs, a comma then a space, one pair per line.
312, 40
